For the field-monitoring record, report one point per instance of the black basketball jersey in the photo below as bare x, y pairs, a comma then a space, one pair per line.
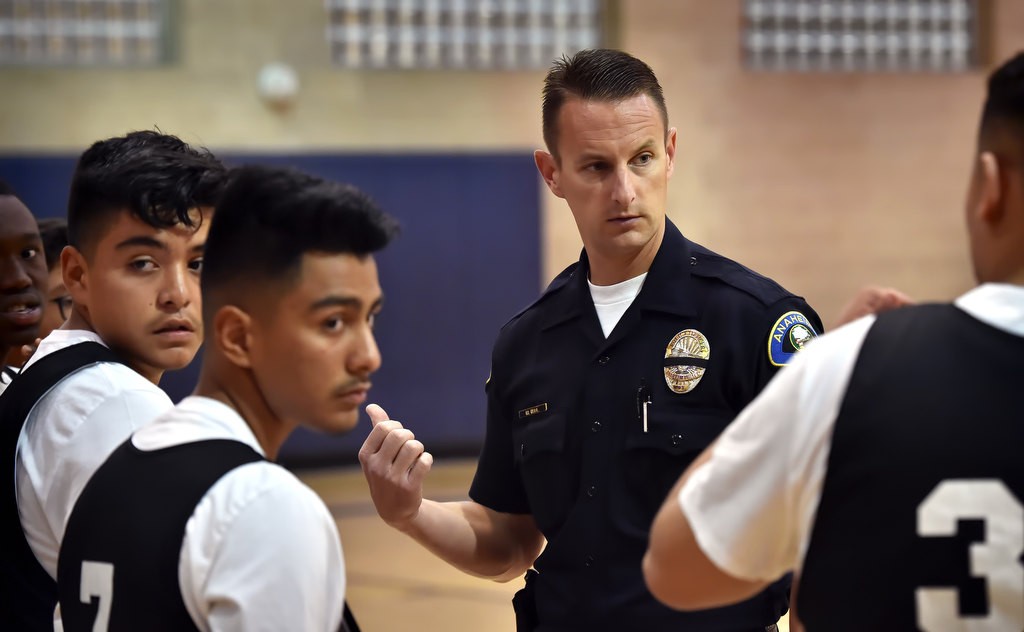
29, 594
118, 565
921, 520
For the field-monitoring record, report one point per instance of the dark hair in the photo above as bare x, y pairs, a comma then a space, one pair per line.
598, 74
1004, 104
268, 218
156, 177
54, 232
6, 189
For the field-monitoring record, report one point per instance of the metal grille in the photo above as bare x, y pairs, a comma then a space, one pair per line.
82, 32
861, 35
460, 34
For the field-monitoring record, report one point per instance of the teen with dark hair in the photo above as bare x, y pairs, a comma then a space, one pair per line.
22, 279
604, 390
189, 524
888, 455
137, 224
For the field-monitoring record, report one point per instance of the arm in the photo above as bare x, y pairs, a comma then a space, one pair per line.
469, 536
677, 571
741, 515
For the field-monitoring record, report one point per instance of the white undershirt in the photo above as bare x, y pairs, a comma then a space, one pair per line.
612, 301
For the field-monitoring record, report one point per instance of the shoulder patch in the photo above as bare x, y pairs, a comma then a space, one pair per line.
789, 334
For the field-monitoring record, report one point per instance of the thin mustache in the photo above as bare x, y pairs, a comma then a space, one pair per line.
353, 384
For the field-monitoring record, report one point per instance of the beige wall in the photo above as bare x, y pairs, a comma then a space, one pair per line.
825, 182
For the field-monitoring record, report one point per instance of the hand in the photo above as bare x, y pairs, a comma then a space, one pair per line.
28, 350
394, 464
873, 300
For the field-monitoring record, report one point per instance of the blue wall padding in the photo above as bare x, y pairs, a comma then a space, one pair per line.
468, 258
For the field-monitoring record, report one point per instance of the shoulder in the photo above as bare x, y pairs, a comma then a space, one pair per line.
542, 305
110, 388
736, 277
780, 318
112, 392
264, 491
822, 370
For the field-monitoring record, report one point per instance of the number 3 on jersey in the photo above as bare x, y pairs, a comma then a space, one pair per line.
997, 560
98, 581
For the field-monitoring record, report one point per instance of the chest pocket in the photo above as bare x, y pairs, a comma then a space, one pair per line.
653, 461
540, 457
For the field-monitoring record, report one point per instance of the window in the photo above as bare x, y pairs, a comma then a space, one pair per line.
861, 35
83, 32
460, 34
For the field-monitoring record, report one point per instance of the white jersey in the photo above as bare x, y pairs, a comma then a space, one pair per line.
261, 550
68, 433
752, 505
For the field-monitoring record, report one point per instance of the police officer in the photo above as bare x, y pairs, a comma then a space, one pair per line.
605, 389
889, 453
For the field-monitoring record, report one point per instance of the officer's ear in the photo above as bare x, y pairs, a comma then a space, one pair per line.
547, 165
670, 151
232, 335
987, 205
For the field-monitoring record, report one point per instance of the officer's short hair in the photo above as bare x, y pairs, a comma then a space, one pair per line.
1004, 105
156, 177
268, 218
597, 74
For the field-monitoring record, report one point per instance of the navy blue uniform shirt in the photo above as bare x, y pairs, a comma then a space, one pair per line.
565, 438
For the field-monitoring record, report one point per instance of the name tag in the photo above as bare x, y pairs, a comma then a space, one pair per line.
533, 410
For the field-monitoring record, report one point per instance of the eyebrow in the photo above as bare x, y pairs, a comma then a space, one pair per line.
591, 156
26, 237
141, 240
343, 301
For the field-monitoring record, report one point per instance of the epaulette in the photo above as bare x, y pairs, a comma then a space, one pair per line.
705, 263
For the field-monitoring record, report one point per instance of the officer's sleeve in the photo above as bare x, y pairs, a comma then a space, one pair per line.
786, 327
497, 484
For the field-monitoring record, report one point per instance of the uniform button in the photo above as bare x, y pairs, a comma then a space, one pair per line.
693, 261
522, 449
589, 561
603, 360
591, 491
676, 439
594, 427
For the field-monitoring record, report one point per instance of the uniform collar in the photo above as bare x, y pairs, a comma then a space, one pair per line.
669, 281
666, 289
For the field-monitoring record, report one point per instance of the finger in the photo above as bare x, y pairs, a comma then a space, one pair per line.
889, 298
408, 455
377, 436
420, 468
899, 299
376, 413
393, 443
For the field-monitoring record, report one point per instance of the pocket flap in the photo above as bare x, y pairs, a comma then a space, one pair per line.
546, 434
676, 432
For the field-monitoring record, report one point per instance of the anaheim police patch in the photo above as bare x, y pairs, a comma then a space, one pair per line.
789, 334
